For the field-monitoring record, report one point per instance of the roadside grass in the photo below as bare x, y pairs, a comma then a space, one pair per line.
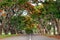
48, 35
5, 36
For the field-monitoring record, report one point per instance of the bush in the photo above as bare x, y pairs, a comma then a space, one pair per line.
28, 31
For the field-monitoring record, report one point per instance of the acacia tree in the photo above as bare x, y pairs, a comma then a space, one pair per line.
50, 9
40, 14
9, 6
49, 13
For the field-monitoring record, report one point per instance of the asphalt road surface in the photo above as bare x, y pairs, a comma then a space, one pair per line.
30, 37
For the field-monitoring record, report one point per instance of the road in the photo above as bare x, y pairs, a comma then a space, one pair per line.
29, 37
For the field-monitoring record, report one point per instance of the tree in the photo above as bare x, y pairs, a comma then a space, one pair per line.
9, 6
50, 9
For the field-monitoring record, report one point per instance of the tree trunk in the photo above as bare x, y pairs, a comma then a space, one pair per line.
59, 26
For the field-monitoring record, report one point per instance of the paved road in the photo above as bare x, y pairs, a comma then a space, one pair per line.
28, 37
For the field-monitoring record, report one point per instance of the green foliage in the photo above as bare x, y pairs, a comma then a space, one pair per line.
29, 31
17, 21
7, 0
49, 27
22, 1
6, 3
40, 12
51, 8
10, 3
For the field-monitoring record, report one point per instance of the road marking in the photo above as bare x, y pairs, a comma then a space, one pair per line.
30, 37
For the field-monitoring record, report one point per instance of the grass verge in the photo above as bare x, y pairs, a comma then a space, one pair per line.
5, 36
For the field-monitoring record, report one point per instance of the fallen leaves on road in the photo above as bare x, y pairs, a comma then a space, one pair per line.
58, 37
